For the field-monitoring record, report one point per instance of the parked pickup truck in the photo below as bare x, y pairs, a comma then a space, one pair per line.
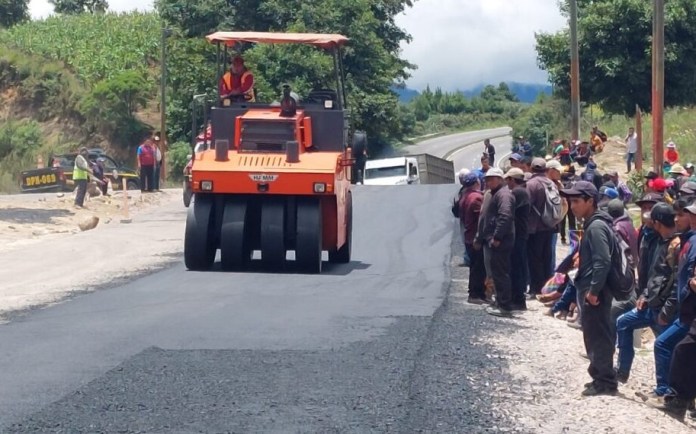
409, 169
58, 175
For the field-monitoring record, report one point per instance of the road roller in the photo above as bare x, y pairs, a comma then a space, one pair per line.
275, 178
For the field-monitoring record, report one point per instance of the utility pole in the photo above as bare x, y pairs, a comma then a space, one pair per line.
658, 83
163, 100
639, 132
574, 72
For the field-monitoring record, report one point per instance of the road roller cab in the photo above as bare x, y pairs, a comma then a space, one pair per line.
275, 178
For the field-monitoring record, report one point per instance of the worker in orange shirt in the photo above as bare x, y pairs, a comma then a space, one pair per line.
237, 84
671, 154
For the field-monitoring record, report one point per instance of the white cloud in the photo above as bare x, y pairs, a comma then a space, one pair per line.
458, 44
42, 8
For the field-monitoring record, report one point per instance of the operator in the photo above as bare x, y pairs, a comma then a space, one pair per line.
238, 83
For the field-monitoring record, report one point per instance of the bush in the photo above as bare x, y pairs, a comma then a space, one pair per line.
177, 157
20, 138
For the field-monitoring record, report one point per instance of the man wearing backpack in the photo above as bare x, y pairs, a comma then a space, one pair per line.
540, 232
659, 285
592, 282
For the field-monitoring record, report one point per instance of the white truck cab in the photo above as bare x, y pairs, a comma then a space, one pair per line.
392, 171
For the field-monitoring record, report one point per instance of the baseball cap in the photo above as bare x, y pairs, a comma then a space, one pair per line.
538, 164
672, 145
615, 208
691, 208
554, 164
688, 166
515, 173
677, 168
516, 157
663, 213
461, 174
609, 192
650, 198
469, 179
689, 187
581, 188
494, 172
651, 175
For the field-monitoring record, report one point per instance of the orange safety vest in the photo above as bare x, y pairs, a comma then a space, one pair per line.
230, 82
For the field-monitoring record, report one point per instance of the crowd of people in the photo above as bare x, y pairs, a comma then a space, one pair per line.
511, 222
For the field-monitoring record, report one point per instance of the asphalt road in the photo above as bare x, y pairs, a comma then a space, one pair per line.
465, 149
356, 349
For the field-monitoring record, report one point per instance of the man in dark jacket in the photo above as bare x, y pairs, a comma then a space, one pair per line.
675, 330
490, 151
591, 281
519, 272
539, 244
469, 211
660, 284
681, 385
496, 234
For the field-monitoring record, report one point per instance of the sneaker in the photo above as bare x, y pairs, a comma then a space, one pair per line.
622, 377
594, 390
672, 405
475, 300
498, 311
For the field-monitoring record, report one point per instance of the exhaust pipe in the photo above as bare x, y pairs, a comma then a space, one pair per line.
292, 151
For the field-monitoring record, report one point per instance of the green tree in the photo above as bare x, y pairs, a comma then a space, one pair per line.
74, 7
372, 58
615, 54
13, 12
111, 105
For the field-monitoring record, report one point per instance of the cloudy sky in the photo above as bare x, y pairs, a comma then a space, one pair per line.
457, 44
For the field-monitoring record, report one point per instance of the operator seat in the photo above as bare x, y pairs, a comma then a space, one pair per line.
320, 95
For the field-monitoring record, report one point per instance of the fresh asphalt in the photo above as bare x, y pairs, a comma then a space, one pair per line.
356, 349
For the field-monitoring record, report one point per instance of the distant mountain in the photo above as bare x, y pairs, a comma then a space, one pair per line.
525, 92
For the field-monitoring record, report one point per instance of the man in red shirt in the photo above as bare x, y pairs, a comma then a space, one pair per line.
146, 164
237, 84
469, 211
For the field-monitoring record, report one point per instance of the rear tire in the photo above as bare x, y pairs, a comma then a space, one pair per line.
342, 255
309, 235
199, 247
235, 249
132, 185
273, 234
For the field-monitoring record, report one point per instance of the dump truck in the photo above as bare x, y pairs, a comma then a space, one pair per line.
409, 169
275, 177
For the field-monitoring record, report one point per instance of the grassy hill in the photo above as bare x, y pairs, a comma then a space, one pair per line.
49, 70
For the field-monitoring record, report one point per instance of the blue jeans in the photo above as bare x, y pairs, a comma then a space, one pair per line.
625, 325
570, 294
664, 347
630, 157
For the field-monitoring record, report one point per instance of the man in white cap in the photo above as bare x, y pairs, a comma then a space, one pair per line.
496, 234
519, 272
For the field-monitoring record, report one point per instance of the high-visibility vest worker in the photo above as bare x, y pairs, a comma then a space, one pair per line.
81, 168
238, 83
